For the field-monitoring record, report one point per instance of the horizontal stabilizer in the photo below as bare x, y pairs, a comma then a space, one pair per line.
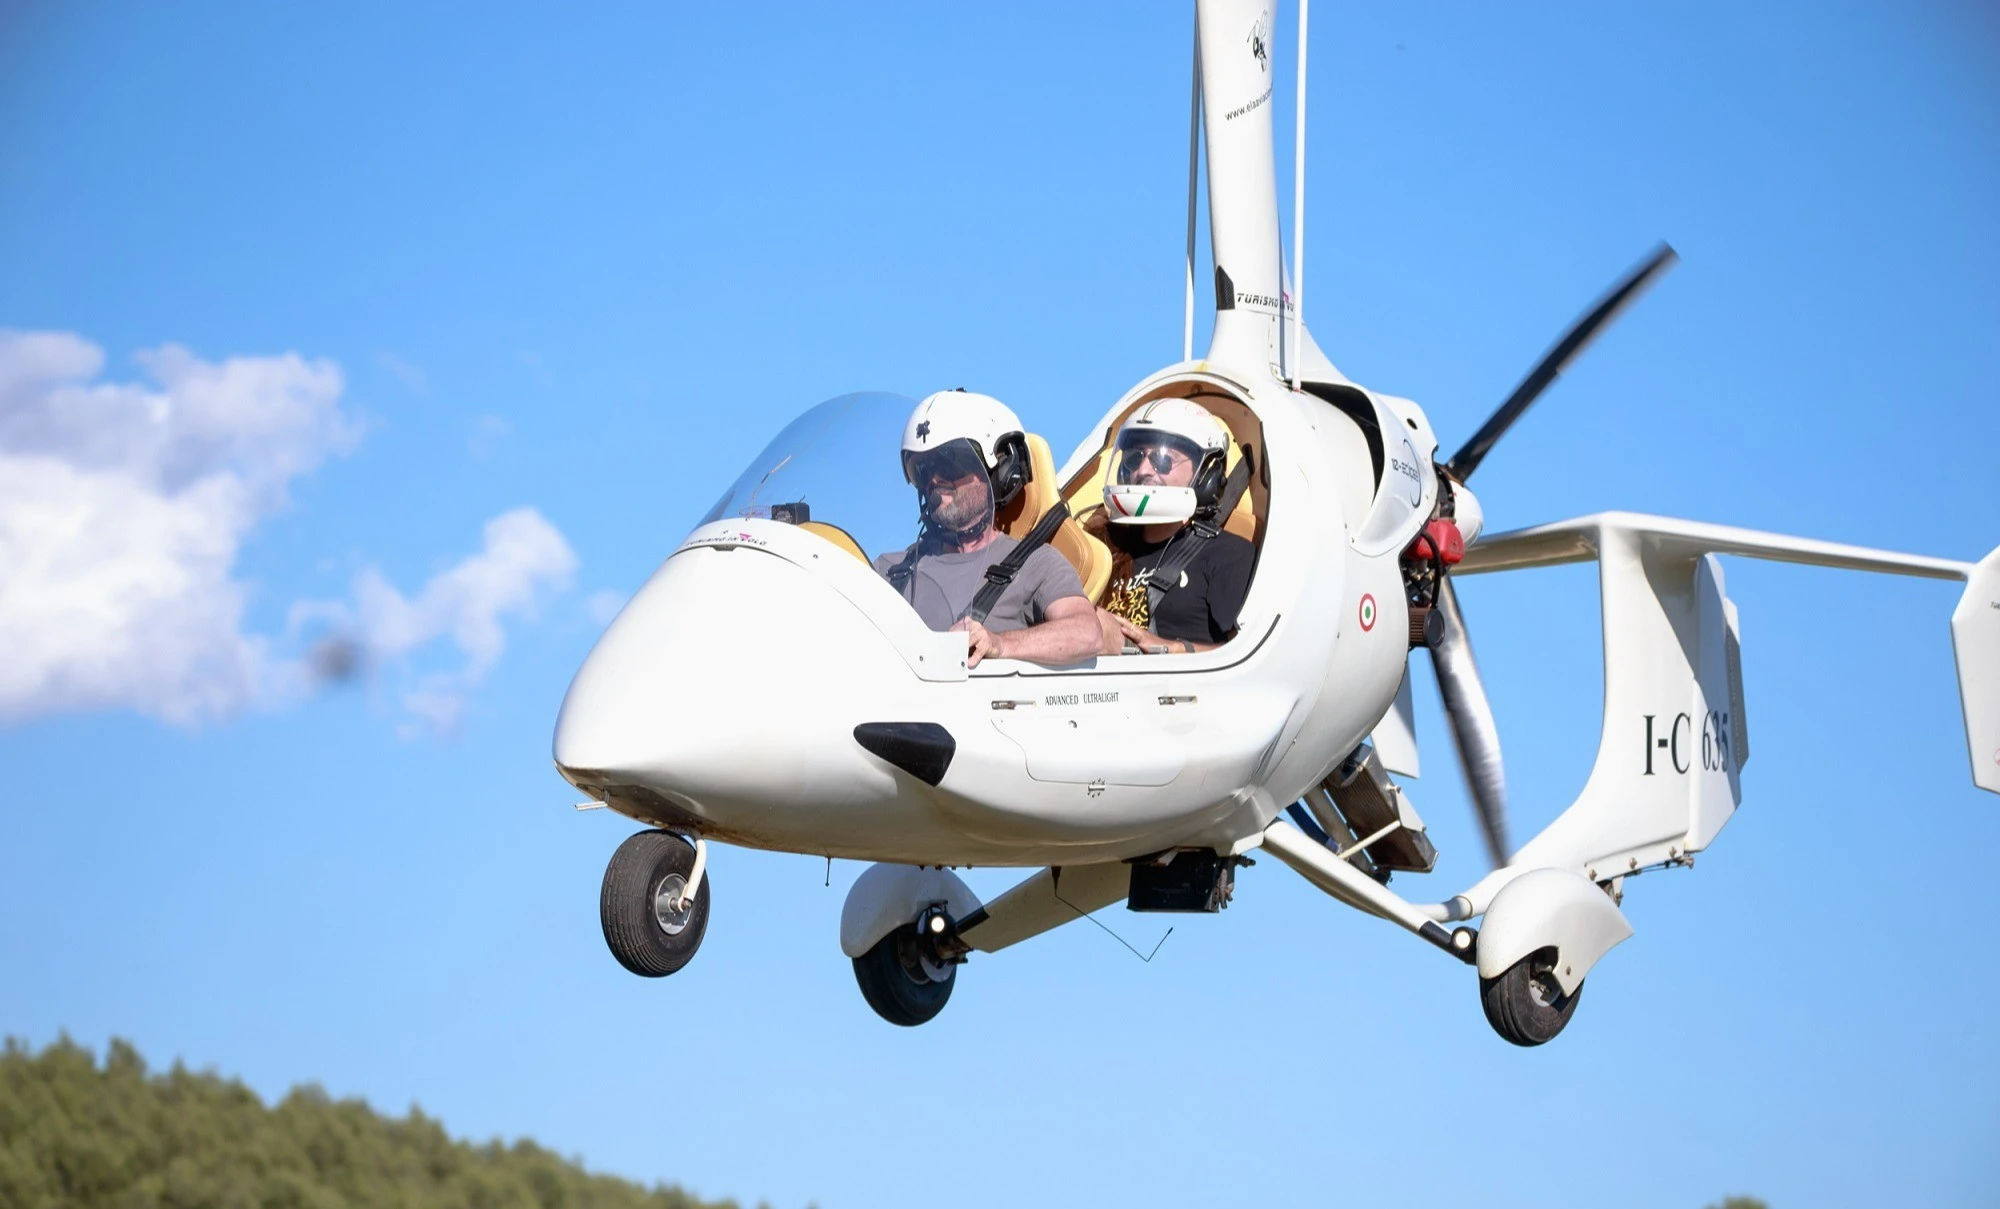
1579, 540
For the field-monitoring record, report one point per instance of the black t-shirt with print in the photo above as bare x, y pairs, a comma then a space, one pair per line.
1203, 607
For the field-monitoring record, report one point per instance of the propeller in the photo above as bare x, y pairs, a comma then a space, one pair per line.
1557, 359
1472, 730
1465, 703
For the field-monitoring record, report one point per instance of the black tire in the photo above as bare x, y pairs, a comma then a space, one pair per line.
899, 983
1525, 1004
643, 940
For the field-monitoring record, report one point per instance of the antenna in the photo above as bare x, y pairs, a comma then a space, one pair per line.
1299, 215
1194, 164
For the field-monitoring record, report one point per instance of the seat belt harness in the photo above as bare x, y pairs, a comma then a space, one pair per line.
1201, 531
1002, 573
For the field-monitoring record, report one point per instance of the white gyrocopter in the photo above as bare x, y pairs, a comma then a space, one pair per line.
1150, 779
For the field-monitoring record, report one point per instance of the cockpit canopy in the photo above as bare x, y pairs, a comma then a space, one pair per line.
838, 465
837, 471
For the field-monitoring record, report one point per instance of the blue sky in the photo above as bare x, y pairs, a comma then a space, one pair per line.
574, 269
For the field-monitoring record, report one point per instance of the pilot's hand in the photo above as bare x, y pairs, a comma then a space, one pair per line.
1147, 641
1114, 636
980, 642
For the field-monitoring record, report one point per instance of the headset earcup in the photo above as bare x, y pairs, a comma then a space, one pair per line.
1011, 469
1208, 481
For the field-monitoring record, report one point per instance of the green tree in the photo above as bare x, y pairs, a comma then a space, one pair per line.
76, 1135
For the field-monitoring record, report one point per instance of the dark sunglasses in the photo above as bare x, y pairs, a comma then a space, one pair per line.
1160, 456
950, 465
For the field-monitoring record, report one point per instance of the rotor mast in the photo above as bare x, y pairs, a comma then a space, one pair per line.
1236, 49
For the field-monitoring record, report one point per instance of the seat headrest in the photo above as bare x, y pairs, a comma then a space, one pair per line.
1037, 497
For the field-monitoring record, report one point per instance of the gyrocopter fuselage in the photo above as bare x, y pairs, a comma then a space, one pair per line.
1147, 778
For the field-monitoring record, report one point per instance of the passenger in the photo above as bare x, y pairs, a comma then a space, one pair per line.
1168, 470
967, 457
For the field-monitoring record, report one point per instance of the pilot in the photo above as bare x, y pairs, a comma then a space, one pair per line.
1168, 471
966, 455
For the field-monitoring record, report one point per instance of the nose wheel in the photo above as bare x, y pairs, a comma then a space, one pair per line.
651, 921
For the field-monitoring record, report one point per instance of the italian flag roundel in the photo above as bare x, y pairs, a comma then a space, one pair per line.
1367, 612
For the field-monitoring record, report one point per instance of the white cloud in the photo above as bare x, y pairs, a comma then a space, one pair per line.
434, 710
488, 431
257, 422
603, 605
531, 361
521, 555
412, 376
122, 508
124, 505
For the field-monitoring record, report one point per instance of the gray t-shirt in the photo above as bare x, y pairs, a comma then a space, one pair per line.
941, 585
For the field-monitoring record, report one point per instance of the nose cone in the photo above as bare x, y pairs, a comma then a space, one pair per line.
612, 707
726, 690
689, 659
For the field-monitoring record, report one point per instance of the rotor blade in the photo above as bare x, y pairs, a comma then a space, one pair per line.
1579, 336
1472, 728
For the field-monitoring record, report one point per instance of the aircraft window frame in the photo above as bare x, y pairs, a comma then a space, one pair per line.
1195, 663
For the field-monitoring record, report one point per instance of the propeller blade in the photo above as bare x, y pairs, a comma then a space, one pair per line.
1472, 729
1579, 336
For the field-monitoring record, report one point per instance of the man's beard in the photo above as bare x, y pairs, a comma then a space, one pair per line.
966, 515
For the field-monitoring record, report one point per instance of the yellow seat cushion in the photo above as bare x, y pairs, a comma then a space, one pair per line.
836, 535
1089, 556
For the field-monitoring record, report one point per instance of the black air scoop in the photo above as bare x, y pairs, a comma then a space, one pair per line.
922, 749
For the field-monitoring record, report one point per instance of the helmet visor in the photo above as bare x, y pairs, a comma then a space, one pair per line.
1144, 457
953, 484
950, 462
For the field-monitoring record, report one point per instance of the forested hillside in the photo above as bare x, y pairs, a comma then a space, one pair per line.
76, 1135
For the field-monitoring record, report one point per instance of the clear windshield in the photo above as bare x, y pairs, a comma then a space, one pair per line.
839, 464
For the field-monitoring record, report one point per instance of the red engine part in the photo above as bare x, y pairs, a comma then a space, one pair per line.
1440, 540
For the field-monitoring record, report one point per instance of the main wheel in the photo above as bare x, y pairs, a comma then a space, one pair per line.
900, 981
649, 932
1525, 1004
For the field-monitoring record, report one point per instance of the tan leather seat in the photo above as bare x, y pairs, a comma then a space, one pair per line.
835, 534
1089, 556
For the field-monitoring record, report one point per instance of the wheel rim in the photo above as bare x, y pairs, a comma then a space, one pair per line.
919, 965
667, 909
1543, 987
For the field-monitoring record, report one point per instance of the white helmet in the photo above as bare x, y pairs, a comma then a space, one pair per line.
1157, 437
968, 426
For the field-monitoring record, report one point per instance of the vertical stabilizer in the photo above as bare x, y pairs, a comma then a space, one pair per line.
1668, 761
1975, 639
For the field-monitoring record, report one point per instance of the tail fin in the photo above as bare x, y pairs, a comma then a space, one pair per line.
1675, 737
1975, 638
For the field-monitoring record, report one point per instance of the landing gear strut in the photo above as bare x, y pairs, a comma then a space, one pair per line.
653, 920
